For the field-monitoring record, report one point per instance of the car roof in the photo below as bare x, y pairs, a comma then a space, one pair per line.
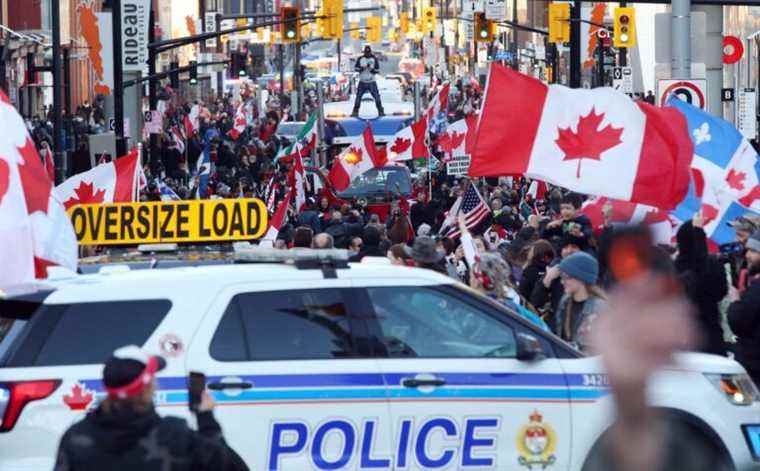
119, 282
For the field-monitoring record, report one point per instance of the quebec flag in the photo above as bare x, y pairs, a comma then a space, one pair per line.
725, 173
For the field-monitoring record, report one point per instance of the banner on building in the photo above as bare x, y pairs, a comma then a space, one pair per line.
96, 29
135, 24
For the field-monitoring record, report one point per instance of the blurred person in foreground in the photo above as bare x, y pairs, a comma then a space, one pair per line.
125, 433
645, 321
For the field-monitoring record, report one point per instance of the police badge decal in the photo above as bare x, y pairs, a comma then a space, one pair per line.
536, 443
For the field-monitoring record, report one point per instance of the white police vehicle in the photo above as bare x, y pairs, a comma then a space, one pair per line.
321, 365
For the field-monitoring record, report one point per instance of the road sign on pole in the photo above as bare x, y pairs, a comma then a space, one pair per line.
692, 91
746, 119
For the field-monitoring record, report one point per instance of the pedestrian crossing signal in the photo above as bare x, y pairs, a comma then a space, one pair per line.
193, 72
291, 24
483, 28
624, 27
559, 22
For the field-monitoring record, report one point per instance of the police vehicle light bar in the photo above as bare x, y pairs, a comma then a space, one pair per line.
301, 258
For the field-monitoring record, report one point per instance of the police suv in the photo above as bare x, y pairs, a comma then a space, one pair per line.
318, 364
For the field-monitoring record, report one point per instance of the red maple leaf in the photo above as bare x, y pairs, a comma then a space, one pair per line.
450, 141
749, 199
34, 180
401, 145
85, 194
589, 142
77, 400
735, 179
4, 178
709, 213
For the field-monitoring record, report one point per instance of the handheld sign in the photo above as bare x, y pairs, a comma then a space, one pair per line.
169, 221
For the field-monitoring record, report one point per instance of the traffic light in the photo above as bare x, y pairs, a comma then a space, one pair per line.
333, 9
483, 28
193, 72
374, 29
323, 24
290, 24
174, 75
354, 33
428, 20
403, 22
559, 22
625, 27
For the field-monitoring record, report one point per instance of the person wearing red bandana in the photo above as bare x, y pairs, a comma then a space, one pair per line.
124, 432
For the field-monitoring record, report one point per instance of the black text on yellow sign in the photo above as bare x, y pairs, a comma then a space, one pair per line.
169, 221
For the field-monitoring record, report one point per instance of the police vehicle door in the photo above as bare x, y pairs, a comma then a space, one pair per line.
289, 369
459, 397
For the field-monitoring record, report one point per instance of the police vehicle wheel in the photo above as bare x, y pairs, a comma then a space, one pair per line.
689, 444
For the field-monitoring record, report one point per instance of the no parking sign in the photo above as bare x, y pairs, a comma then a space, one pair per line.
692, 91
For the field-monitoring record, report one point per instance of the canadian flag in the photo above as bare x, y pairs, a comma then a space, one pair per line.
35, 231
358, 157
298, 178
113, 182
277, 221
409, 143
597, 142
458, 137
440, 102
625, 212
241, 122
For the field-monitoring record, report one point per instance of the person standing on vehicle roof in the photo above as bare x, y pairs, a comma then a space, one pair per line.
126, 433
367, 65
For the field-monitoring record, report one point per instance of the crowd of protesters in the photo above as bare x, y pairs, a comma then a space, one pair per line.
539, 255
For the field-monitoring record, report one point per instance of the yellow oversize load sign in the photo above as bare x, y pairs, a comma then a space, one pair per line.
169, 221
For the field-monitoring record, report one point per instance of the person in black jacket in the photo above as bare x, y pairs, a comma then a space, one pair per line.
540, 255
571, 222
126, 433
705, 284
744, 313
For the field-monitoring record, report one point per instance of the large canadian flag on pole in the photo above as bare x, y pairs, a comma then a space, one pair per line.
597, 142
112, 182
35, 231
359, 157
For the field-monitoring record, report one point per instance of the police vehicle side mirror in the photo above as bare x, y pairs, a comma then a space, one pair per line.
529, 348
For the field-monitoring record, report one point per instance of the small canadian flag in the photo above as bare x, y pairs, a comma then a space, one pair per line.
358, 158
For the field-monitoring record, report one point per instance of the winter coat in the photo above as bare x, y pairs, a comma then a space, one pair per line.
580, 324
531, 275
704, 282
744, 319
127, 440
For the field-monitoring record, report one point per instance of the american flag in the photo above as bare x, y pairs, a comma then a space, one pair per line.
473, 207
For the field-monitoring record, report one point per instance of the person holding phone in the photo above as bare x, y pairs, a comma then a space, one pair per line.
125, 433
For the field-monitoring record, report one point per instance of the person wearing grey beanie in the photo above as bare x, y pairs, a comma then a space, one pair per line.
582, 301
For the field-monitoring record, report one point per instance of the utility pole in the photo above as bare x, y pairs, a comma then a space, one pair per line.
575, 44
67, 89
118, 79
59, 157
680, 24
152, 89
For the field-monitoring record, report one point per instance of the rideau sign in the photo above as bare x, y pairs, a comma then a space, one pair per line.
135, 21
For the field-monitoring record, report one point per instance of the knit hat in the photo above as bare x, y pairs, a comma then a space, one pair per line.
129, 371
581, 266
753, 243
